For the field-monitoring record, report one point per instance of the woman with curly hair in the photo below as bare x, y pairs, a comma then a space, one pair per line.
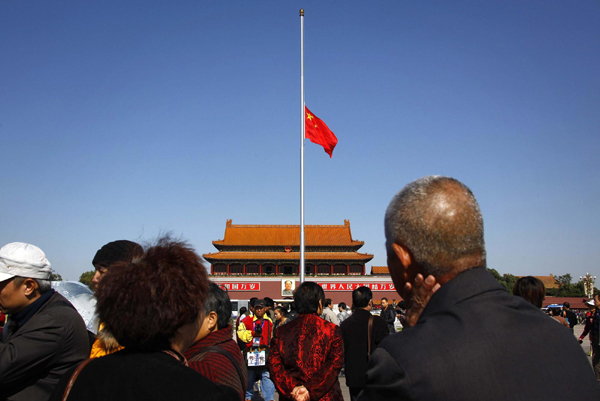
153, 306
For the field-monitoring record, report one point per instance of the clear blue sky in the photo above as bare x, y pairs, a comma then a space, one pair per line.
122, 119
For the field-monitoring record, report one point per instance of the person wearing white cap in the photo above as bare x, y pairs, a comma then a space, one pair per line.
44, 336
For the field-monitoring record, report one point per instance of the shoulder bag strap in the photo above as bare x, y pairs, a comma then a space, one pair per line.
226, 353
73, 378
370, 336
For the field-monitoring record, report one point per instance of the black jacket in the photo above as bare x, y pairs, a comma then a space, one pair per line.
129, 376
37, 354
475, 341
355, 335
389, 315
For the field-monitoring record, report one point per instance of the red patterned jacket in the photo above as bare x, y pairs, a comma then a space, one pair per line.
309, 352
215, 366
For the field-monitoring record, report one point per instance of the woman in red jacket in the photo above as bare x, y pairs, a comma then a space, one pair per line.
307, 353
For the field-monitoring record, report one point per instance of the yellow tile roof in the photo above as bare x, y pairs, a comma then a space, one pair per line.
287, 235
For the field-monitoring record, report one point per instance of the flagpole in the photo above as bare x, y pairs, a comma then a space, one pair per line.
303, 120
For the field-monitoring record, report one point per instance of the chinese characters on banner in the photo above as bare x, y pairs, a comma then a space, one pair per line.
240, 286
353, 286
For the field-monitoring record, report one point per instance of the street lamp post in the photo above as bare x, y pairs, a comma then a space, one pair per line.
588, 285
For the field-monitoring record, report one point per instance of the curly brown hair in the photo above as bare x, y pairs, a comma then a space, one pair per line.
143, 302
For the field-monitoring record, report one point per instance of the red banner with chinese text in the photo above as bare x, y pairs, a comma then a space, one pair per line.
353, 286
240, 286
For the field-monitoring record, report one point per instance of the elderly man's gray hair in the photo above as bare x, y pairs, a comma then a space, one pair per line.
439, 221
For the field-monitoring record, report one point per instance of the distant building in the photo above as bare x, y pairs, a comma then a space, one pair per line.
258, 260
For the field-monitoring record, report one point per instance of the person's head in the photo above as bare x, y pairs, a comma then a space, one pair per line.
288, 285
384, 302
243, 311
24, 276
555, 311
342, 306
328, 303
433, 226
361, 298
270, 303
567, 305
531, 289
251, 303
217, 311
260, 307
279, 313
309, 297
155, 301
111, 253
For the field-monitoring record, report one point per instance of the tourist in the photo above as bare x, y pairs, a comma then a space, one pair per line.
280, 318
556, 316
343, 315
307, 353
530, 289
152, 307
328, 313
473, 340
44, 336
570, 316
357, 330
388, 314
214, 354
592, 326
106, 257
256, 332
270, 308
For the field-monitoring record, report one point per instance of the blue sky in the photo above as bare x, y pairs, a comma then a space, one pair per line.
124, 119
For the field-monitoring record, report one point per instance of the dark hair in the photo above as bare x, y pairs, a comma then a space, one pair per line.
218, 301
307, 297
117, 251
555, 312
361, 297
281, 310
269, 301
531, 289
384, 299
243, 310
252, 301
342, 305
327, 302
143, 302
567, 305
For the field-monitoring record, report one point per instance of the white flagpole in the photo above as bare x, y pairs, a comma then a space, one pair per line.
303, 119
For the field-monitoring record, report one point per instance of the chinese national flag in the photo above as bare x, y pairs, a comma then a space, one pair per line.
318, 132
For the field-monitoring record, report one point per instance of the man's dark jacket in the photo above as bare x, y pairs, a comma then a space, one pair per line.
35, 356
389, 315
475, 341
355, 335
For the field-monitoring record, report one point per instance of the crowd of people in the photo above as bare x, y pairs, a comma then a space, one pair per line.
165, 331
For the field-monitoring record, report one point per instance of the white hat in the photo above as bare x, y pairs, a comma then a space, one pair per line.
23, 260
590, 302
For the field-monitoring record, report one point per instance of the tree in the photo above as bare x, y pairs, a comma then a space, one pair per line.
86, 278
55, 277
507, 280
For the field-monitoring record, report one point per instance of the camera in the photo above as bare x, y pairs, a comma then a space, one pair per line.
258, 331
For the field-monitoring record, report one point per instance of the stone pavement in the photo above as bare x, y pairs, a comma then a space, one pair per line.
578, 330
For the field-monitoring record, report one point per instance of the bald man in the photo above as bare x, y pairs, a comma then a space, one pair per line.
473, 340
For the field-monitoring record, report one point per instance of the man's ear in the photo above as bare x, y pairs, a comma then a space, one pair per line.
30, 287
402, 254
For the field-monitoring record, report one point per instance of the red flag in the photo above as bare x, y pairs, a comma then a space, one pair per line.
318, 132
